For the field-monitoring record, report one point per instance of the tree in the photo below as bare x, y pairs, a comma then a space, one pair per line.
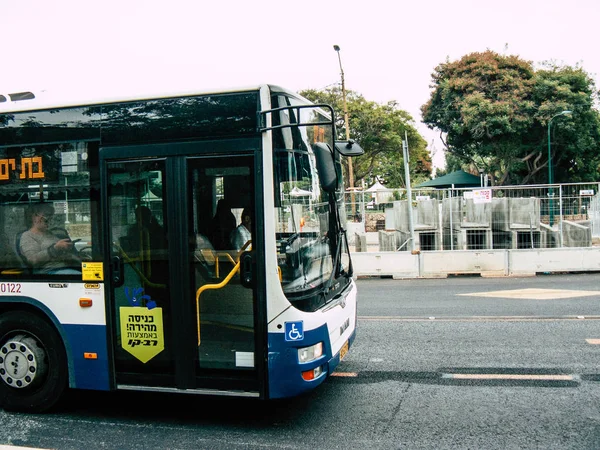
379, 128
494, 111
575, 139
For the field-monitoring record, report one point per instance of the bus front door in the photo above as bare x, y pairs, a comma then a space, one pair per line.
181, 318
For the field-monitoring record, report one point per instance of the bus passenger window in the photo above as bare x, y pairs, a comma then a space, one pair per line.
46, 208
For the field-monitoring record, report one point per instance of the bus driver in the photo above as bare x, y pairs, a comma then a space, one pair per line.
44, 251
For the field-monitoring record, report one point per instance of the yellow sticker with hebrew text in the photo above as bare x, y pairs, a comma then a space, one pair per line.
92, 271
142, 332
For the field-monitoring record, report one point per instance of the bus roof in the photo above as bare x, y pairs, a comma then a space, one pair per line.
12, 102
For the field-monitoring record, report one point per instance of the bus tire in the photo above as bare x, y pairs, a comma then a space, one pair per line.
33, 363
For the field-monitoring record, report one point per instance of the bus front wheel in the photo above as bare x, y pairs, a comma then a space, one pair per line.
33, 364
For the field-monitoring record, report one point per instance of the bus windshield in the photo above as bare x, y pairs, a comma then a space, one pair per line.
312, 249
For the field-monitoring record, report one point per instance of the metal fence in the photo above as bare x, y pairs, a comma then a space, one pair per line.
500, 217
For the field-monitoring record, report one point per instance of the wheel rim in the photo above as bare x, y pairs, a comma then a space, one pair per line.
22, 362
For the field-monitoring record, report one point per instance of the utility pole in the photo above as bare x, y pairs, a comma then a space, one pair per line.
347, 126
411, 225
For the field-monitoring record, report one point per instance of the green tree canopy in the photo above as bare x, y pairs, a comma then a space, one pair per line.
494, 112
379, 129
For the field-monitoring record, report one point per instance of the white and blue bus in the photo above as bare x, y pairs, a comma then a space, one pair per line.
146, 192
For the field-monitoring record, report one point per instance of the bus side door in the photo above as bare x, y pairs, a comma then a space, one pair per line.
182, 318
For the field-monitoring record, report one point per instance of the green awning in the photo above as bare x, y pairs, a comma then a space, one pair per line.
458, 179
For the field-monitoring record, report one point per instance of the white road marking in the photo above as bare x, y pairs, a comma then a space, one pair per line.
475, 318
535, 294
507, 376
13, 447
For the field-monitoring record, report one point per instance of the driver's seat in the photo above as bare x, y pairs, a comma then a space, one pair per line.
10, 262
25, 263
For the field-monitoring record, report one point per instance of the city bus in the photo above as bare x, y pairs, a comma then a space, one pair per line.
150, 298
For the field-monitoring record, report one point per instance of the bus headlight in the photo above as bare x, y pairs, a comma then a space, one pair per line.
308, 354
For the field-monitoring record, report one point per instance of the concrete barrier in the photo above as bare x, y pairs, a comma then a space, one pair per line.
554, 260
509, 262
388, 241
353, 228
484, 262
360, 242
392, 264
576, 235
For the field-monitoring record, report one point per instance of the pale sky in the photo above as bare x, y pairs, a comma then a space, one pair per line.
389, 48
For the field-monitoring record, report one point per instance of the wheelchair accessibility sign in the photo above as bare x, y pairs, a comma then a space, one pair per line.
294, 331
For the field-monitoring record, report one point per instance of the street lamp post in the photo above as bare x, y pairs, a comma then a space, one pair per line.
350, 168
550, 180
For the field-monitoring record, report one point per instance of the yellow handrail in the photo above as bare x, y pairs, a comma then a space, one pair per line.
132, 261
247, 244
12, 272
206, 287
227, 255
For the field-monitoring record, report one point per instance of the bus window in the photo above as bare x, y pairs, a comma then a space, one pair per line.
61, 176
225, 309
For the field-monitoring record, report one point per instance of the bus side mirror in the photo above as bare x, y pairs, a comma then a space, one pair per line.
349, 148
325, 166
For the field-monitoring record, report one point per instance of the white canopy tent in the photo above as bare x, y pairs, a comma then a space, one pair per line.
380, 193
297, 192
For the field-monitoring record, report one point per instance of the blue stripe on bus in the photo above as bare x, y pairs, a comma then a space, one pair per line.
88, 373
285, 371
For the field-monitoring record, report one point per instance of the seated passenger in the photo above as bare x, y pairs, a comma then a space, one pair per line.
241, 234
145, 235
44, 251
222, 225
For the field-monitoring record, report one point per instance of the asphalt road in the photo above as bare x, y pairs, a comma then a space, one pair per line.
460, 363
474, 296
